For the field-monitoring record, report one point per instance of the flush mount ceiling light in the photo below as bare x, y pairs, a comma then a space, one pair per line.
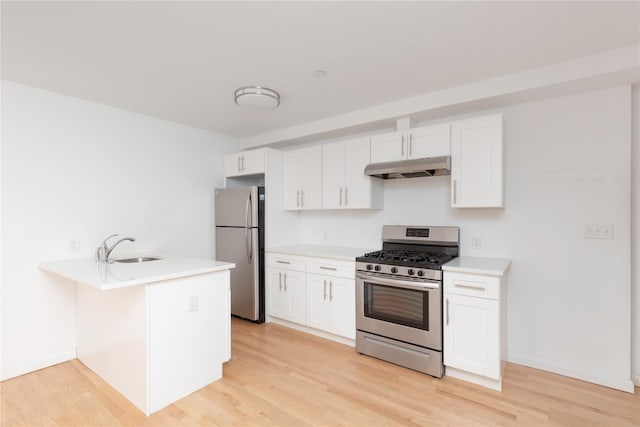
257, 98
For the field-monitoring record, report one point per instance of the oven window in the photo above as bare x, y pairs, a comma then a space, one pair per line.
397, 305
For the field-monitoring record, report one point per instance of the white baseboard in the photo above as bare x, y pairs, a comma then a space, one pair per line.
474, 378
636, 378
11, 371
312, 331
605, 380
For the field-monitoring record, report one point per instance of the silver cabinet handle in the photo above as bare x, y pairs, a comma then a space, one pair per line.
477, 288
280, 281
242, 163
327, 268
455, 198
402, 146
340, 196
324, 297
283, 262
410, 144
330, 290
285, 282
447, 316
346, 196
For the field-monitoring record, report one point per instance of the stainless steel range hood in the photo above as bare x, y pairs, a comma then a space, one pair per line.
429, 166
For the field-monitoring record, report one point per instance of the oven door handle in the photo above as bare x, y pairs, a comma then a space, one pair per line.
408, 284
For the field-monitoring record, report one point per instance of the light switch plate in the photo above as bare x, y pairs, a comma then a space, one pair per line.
598, 231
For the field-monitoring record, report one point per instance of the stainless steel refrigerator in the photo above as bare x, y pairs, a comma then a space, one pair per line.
240, 239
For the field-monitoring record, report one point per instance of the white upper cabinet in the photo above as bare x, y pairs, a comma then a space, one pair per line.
388, 147
477, 164
344, 184
303, 178
428, 141
245, 163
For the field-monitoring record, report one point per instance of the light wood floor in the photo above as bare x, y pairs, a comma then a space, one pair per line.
281, 377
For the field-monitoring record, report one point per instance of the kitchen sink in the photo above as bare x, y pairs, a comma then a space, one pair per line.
137, 259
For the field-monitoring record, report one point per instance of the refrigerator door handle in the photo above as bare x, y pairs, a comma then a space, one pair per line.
248, 214
248, 241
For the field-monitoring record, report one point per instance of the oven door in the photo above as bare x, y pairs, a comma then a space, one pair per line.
401, 309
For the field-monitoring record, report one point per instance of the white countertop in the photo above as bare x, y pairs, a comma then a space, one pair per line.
478, 265
118, 275
331, 252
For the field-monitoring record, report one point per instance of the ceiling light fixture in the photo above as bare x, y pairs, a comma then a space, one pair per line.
257, 98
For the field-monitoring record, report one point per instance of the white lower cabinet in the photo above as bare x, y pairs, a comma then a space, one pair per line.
331, 304
471, 336
286, 294
474, 328
314, 292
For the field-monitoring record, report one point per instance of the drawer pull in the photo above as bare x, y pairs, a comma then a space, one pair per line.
283, 262
328, 268
477, 288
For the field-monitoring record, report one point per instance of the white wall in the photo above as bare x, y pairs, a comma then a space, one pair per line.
73, 169
635, 237
567, 164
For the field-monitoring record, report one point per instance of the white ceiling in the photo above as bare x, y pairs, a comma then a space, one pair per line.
182, 61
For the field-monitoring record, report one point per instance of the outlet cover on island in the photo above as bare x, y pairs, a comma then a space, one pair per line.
476, 242
193, 303
74, 246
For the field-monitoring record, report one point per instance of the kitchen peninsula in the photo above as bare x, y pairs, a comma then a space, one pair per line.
156, 331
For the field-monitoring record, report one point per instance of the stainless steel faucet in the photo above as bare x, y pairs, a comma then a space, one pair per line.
103, 251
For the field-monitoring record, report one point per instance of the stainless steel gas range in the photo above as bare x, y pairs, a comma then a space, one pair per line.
399, 296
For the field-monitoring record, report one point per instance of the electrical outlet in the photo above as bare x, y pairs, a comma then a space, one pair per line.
193, 303
598, 231
476, 242
74, 246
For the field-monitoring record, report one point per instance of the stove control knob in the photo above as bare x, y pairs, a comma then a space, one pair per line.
394, 270
377, 268
420, 273
410, 271
369, 267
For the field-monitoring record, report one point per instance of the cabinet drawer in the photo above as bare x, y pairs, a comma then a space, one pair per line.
331, 267
473, 285
285, 261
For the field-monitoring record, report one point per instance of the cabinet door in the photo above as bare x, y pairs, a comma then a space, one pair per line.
232, 165
319, 311
294, 286
277, 302
342, 296
471, 335
311, 170
292, 179
252, 162
357, 186
430, 141
388, 147
477, 162
333, 174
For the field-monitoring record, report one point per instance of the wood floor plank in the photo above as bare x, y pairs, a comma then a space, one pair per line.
281, 377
